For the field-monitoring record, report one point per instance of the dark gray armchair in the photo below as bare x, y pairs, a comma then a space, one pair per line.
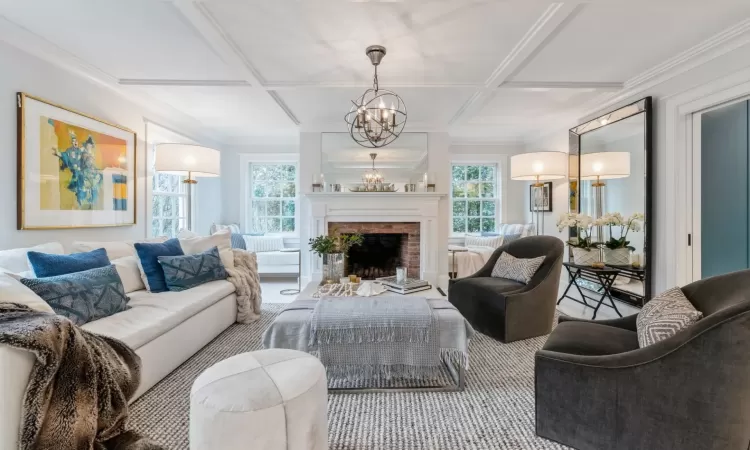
596, 389
508, 310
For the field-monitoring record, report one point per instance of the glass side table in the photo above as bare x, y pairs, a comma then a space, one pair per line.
299, 272
453, 249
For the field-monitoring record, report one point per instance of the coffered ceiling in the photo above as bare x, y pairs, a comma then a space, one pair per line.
483, 70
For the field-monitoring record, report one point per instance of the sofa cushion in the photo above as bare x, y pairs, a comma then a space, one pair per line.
84, 296
193, 244
277, 258
16, 261
130, 274
50, 265
152, 314
188, 271
483, 241
664, 316
590, 338
517, 269
148, 262
115, 249
259, 244
12, 290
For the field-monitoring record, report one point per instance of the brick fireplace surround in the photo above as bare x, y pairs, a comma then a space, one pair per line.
410, 245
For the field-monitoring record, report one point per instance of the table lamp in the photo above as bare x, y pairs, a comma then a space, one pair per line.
538, 167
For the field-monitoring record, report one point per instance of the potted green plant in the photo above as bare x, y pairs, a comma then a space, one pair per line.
585, 251
617, 249
333, 249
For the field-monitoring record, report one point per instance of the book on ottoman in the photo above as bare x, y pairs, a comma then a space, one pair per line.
407, 286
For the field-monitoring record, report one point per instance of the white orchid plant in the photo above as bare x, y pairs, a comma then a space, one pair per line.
583, 224
632, 223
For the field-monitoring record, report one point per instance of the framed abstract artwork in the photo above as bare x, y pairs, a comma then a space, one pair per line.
542, 197
74, 170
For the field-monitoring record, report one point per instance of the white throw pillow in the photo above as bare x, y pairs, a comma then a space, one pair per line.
130, 273
15, 260
517, 269
260, 244
484, 241
664, 316
233, 228
13, 291
192, 244
115, 249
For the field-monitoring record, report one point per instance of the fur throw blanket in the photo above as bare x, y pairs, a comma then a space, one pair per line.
244, 277
80, 383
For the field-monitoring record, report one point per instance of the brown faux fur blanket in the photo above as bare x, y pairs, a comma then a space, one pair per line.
244, 277
78, 391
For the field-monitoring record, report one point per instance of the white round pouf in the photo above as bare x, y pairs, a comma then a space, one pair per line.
269, 399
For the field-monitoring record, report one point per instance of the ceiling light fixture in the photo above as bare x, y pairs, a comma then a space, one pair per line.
372, 179
378, 116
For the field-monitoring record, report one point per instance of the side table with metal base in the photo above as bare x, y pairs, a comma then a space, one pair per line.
299, 273
453, 250
604, 277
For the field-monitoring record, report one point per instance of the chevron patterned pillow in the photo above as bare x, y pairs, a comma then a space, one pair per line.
664, 316
516, 269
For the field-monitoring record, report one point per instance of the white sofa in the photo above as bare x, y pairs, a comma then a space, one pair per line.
164, 329
272, 259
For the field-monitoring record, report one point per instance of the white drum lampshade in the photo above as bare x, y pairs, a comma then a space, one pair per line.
186, 159
605, 165
539, 166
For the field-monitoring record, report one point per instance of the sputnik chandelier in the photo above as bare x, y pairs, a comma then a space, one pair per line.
378, 116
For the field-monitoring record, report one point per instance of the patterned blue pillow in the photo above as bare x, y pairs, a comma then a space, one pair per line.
238, 241
151, 271
50, 265
185, 272
82, 296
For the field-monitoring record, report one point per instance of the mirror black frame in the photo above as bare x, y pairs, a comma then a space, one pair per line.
642, 106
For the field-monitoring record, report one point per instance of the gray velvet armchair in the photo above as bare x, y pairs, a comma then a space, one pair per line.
596, 389
508, 310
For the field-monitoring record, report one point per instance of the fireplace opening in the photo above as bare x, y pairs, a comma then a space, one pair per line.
378, 256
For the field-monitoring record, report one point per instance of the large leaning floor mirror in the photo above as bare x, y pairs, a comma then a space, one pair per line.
610, 190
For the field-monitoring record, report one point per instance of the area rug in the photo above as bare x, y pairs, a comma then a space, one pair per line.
496, 411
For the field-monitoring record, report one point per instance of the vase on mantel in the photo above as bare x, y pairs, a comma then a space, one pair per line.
617, 256
333, 267
585, 257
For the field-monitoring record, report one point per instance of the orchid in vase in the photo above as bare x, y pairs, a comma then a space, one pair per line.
584, 225
632, 223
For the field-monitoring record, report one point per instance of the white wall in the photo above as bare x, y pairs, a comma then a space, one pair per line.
23, 72
693, 76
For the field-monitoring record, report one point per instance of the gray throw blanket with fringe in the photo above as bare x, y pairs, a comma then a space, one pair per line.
376, 337
79, 387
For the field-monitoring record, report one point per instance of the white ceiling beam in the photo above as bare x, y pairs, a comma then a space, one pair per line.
599, 86
292, 85
548, 24
182, 83
220, 42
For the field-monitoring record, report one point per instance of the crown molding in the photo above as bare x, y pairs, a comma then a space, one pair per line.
719, 44
39, 47
543, 85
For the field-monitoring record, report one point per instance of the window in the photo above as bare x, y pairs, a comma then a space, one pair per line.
474, 198
273, 197
169, 205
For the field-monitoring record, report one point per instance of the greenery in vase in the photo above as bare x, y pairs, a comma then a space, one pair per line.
583, 225
632, 223
335, 243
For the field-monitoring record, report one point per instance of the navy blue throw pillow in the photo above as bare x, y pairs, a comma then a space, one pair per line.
84, 296
49, 265
148, 262
185, 272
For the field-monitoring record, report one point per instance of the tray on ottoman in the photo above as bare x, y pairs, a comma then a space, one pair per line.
292, 327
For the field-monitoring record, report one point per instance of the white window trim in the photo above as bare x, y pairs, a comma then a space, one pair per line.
245, 160
502, 173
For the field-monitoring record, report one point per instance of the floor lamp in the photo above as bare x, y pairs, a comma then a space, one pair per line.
538, 167
188, 160
603, 166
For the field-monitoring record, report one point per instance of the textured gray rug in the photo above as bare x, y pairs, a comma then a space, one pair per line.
496, 411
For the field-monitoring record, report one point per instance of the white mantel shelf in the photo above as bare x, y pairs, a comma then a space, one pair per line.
324, 195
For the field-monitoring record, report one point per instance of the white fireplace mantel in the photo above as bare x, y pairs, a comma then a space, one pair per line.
420, 207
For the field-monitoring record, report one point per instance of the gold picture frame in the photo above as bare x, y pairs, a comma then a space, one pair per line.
74, 170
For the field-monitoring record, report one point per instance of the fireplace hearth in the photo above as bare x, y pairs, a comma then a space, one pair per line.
378, 256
